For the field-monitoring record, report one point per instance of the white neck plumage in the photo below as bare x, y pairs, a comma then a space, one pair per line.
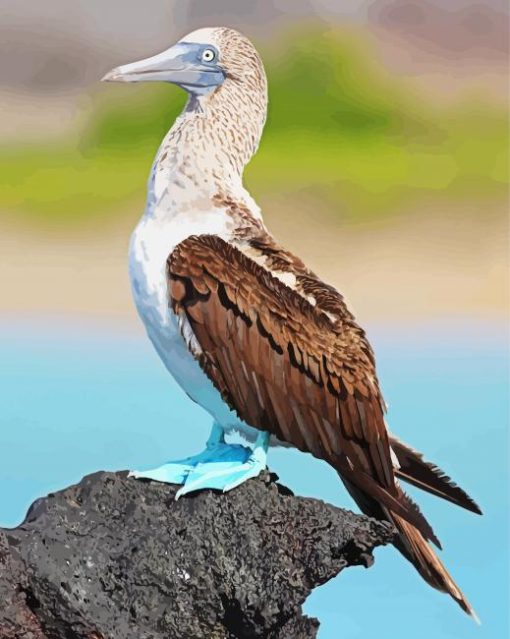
204, 154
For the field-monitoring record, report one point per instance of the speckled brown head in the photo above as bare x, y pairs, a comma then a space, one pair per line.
238, 58
200, 63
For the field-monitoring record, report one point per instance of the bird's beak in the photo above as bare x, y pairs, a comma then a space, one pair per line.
178, 65
166, 67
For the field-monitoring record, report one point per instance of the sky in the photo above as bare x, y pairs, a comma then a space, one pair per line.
79, 397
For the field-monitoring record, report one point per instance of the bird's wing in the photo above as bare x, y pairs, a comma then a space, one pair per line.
285, 366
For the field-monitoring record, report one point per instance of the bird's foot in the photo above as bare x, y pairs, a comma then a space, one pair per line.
224, 475
219, 456
220, 466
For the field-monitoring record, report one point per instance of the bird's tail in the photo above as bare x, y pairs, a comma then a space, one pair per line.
423, 474
411, 543
413, 546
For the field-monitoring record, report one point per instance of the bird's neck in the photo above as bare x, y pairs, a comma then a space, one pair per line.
204, 154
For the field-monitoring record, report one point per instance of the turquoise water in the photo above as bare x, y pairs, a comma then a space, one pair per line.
77, 398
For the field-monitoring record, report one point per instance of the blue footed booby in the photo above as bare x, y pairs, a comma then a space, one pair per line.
247, 330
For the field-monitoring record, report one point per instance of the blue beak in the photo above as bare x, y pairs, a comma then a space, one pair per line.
181, 64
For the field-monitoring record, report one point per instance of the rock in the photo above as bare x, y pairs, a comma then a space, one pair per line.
17, 620
119, 558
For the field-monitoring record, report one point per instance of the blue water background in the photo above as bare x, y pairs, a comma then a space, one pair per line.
77, 397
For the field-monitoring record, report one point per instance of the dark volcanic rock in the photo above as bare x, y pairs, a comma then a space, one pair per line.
17, 620
119, 558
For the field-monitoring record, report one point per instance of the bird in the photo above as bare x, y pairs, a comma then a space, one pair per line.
249, 332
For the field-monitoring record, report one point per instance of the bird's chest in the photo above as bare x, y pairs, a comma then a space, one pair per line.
151, 244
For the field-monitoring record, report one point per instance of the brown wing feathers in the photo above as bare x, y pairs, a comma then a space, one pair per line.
307, 374
285, 366
427, 476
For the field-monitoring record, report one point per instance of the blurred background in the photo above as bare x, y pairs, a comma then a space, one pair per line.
384, 165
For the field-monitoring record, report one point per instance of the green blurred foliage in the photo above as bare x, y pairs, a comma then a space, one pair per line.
339, 125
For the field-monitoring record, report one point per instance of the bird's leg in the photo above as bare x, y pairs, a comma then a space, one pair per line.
227, 475
216, 452
216, 436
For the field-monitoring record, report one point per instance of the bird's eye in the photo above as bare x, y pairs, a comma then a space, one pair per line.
208, 55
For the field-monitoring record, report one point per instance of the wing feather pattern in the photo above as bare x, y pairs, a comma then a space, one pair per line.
427, 476
286, 367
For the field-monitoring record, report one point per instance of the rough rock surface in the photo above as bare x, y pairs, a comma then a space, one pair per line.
119, 558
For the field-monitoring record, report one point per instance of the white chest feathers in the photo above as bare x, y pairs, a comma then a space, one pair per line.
152, 242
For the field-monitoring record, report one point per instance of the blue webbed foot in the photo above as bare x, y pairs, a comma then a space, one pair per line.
178, 472
225, 475
220, 466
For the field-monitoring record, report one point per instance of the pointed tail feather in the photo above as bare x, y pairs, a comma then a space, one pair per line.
411, 543
427, 476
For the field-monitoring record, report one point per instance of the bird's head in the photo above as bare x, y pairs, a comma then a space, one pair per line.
201, 62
